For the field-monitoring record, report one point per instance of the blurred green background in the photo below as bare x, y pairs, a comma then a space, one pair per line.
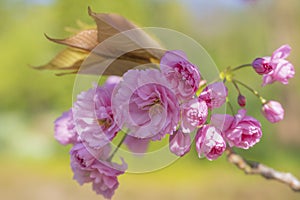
33, 165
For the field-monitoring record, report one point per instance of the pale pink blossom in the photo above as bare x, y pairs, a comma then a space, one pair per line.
214, 95
273, 111
180, 143
87, 167
145, 104
241, 131
282, 70
193, 114
65, 132
183, 76
282, 73
104, 176
209, 142
93, 116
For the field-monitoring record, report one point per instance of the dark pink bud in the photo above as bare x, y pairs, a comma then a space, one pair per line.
262, 65
241, 100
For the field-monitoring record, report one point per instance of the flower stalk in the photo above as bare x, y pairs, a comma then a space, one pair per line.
241, 66
117, 148
255, 92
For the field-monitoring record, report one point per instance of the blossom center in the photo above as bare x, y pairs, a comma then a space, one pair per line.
182, 69
267, 66
105, 123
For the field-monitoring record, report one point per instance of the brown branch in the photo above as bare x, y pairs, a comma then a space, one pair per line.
250, 167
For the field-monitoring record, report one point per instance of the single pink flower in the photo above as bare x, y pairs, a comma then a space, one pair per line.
273, 111
214, 95
282, 73
93, 116
209, 142
275, 68
104, 176
65, 132
183, 76
81, 162
87, 167
241, 131
193, 113
180, 143
144, 103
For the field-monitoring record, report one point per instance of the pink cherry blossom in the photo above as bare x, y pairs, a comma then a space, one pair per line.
214, 95
180, 143
241, 131
282, 73
102, 174
193, 113
183, 76
65, 132
93, 116
144, 103
273, 111
275, 68
209, 142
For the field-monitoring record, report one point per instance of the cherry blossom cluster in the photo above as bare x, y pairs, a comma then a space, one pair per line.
172, 101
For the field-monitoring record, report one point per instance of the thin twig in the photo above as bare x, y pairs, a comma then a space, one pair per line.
250, 167
118, 146
241, 66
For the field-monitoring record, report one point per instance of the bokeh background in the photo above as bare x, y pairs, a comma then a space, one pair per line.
33, 165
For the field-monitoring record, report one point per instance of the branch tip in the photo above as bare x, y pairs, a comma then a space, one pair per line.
252, 167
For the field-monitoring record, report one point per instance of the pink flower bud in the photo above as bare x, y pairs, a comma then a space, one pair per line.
180, 143
273, 111
209, 142
241, 100
262, 65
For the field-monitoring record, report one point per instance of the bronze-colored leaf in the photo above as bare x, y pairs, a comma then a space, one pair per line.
68, 59
116, 46
109, 25
100, 65
123, 41
86, 40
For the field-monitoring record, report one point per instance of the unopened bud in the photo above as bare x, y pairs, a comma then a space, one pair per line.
241, 100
